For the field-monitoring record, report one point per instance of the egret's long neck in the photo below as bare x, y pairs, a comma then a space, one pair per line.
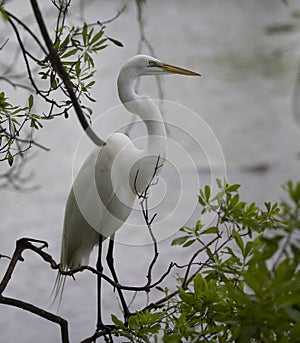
146, 109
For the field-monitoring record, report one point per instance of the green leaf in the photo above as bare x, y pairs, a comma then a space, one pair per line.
234, 201
201, 200
270, 247
116, 42
219, 183
207, 192
89, 60
77, 68
89, 35
238, 240
53, 81
292, 313
198, 226
101, 47
251, 280
295, 332
198, 285
233, 188
96, 37
69, 53
187, 297
209, 253
4, 14
230, 252
248, 248
90, 84
210, 230
84, 33
179, 240
171, 338
188, 243
117, 322
284, 271
30, 102
98, 44
65, 42
10, 158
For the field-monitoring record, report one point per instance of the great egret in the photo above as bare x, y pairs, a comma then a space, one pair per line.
106, 186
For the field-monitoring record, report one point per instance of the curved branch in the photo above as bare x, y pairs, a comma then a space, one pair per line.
21, 245
26, 28
15, 84
41, 313
57, 65
25, 53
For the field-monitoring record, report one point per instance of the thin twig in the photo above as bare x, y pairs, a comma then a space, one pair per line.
15, 84
108, 21
26, 28
145, 211
24, 53
186, 276
184, 286
3, 44
4, 256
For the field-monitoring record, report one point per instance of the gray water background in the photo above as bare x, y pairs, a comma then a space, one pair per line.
245, 97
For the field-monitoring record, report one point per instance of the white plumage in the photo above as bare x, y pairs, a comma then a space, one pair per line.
105, 188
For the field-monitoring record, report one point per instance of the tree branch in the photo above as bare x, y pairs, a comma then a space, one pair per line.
58, 67
39, 312
21, 245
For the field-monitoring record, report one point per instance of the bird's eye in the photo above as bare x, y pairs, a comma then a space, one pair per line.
152, 63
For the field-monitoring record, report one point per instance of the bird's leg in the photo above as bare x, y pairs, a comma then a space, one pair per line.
99, 268
110, 263
100, 325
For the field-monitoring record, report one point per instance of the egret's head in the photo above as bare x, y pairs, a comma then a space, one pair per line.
147, 65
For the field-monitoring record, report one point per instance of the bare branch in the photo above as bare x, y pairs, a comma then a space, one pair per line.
24, 53
22, 245
187, 273
145, 41
4, 256
39, 312
3, 44
15, 84
20, 22
145, 211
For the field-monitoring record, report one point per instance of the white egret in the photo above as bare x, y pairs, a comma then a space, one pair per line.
106, 186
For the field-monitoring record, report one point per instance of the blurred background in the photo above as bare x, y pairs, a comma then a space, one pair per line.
248, 55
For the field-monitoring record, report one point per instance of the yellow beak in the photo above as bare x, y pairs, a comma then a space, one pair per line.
176, 70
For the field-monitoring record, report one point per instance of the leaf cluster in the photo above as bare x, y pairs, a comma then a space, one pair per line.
141, 327
242, 283
13, 119
75, 47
